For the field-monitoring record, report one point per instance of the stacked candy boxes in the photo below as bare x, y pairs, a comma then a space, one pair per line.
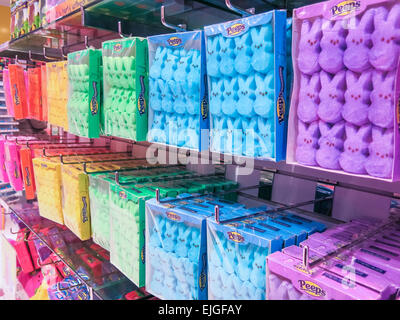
237, 250
75, 190
127, 210
246, 66
85, 85
47, 172
99, 193
367, 271
178, 90
345, 93
57, 93
125, 67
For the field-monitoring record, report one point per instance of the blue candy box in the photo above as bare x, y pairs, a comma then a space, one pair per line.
178, 99
246, 67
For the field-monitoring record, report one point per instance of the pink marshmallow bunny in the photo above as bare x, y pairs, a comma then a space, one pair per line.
309, 46
384, 54
355, 149
381, 112
307, 142
331, 96
380, 161
359, 42
357, 96
307, 109
332, 46
330, 145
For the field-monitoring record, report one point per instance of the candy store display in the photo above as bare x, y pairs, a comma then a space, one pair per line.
343, 112
178, 113
367, 270
85, 92
246, 68
125, 76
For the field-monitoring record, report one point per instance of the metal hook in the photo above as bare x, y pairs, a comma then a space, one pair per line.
243, 13
46, 264
305, 258
48, 58
63, 54
178, 28
86, 42
120, 30
19, 231
216, 213
158, 195
117, 177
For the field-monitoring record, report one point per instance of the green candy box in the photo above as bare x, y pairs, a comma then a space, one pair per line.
125, 78
85, 92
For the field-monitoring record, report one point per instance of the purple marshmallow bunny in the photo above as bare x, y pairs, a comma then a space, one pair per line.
307, 142
384, 54
330, 145
359, 42
331, 96
357, 96
309, 46
380, 161
332, 46
307, 108
355, 149
381, 111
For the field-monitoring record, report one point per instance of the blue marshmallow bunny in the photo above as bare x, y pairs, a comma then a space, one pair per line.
264, 103
257, 276
194, 75
166, 96
157, 128
155, 95
182, 123
216, 98
169, 241
193, 132
169, 287
170, 65
158, 62
182, 246
246, 96
266, 134
234, 136
243, 54
245, 256
194, 250
218, 134
157, 281
263, 57
182, 69
213, 57
157, 231
179, 103
250, 141
171, 129
227, 64
229, 103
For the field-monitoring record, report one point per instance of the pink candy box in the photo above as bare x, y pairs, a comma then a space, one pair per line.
13, 165
344, 113
7, 92
287, 279
3, 171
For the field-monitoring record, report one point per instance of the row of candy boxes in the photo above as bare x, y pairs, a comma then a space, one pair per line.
373, 40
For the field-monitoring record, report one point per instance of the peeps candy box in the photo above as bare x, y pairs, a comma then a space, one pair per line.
57, 93
18, 91
246, 67
178, 113
35, 93
43, 78
7, 92
3, 171
125, 76
99, 193
85, 98
75, 192
344, 110
176, 250
13, 164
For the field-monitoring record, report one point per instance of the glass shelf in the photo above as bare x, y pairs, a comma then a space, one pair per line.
104, 283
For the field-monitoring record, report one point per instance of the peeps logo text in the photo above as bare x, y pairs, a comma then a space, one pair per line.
27, 177
122, 194
117, 47
204, 108
173, 216
84, 210
236, 29
16, 96
174, 41
280, 103
141, 103
345, 7
94, 105
236, 237
311, 288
